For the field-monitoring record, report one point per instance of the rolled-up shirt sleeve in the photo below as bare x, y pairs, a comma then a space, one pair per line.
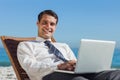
29, 62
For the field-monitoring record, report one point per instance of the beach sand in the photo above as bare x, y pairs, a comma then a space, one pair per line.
7, 73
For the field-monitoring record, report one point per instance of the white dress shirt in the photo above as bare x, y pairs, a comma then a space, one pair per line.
37, 61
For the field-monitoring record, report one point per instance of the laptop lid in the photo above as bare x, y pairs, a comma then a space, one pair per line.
94, 56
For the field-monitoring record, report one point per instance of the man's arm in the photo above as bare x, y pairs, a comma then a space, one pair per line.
29, 62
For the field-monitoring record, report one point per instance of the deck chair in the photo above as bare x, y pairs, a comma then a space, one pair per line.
10, 44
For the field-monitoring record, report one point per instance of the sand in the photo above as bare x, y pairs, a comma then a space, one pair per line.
7, 73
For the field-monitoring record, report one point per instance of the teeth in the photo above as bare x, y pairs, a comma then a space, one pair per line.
50, 30
47, 30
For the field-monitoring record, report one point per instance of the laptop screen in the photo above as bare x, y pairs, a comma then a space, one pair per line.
94, 55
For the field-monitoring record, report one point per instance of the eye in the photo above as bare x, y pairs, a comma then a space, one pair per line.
44, 23
52, 24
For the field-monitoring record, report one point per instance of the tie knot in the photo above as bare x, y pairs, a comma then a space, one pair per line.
47, 42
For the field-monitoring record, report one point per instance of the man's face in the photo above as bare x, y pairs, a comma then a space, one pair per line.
46, 26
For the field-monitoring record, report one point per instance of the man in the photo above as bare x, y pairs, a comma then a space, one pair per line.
38, 60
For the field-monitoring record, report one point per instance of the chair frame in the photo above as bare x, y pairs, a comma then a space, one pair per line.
3, 38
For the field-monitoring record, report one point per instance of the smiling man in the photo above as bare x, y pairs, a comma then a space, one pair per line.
41, 57
46, 26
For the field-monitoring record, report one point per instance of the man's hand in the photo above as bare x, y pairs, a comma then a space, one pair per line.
70, 65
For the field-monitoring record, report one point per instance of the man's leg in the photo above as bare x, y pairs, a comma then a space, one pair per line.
63, 76
79, 78
108, 75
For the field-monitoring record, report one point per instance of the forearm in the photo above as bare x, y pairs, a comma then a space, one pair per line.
36, 67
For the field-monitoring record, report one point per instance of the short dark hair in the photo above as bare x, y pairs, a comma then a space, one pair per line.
48, 12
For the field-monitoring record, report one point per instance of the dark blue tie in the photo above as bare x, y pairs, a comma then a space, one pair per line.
55, 51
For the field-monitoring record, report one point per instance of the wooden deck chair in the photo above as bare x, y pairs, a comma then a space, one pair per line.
10, 44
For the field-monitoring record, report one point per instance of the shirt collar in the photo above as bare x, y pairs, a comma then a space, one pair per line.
41, 39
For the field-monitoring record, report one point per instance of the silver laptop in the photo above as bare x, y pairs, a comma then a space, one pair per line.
93, 56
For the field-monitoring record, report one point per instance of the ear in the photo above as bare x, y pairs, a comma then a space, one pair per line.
37, 23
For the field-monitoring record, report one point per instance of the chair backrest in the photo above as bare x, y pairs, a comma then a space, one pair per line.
10, 44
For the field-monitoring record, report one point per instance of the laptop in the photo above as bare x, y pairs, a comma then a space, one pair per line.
93, 56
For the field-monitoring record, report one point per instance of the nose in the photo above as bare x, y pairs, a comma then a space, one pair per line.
48, 25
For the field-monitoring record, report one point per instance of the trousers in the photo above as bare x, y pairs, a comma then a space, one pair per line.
104, 75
